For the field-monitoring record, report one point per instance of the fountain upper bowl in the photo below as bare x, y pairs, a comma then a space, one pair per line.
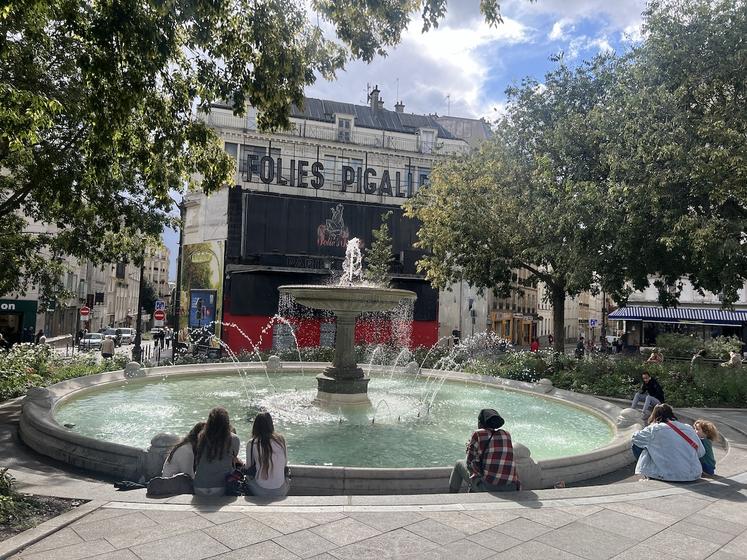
350, 299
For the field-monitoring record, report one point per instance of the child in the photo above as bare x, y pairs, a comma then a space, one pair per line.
707, 433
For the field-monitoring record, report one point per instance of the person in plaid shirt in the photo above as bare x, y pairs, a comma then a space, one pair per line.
489, 466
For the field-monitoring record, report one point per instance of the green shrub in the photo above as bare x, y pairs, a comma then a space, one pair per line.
720, 346
13, 506
678, 345
36, 365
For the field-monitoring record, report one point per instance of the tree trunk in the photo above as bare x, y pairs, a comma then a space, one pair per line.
558, 318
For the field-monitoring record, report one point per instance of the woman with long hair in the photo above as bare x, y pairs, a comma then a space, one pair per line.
217, 451
181, 458
669, 449
268, 452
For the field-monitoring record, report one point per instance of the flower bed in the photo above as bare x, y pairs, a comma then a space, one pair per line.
614, 376
36, 365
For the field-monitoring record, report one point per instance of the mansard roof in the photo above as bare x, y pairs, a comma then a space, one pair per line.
324, 110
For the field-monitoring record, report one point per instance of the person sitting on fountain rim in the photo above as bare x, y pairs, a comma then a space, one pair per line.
651, 393
489, 466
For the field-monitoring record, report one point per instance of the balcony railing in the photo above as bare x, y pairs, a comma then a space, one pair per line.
382, 139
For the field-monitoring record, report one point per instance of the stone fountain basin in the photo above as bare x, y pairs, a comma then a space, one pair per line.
351, 299
40, 431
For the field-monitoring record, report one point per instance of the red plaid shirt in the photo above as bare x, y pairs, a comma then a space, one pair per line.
498, 461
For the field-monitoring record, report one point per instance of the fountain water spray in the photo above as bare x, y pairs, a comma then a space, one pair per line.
352, 266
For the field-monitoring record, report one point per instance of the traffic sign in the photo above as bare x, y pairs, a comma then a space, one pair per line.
159, 315
85, 311
592, 322
160, 305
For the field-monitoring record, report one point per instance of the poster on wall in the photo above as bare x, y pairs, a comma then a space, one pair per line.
202, 305
201, 287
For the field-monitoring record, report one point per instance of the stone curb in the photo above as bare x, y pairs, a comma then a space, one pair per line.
30, 536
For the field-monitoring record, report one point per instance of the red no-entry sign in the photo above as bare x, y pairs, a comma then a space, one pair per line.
85, 311
159, 315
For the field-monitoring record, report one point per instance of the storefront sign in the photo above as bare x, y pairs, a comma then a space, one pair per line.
304, 174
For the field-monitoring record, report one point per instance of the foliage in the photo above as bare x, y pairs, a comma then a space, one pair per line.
379, 255
721, 346
609, 376
609, 174
533, 197
13, 506
36, 365
685, 346
149, 297
675, 129
100, 108
678, 345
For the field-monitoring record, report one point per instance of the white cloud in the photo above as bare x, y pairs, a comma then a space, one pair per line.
602, 44
619, 14
428, 67
632, 33
560, 30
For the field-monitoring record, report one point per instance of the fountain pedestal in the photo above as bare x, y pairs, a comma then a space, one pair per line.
344, 382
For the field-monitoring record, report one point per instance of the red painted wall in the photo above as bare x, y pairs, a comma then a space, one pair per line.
259, 330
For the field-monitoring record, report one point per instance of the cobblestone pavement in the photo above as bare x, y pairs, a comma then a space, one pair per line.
623, 521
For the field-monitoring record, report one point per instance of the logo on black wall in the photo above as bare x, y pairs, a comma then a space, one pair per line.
333, 232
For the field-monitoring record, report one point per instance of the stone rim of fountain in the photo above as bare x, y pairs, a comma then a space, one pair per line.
40, 430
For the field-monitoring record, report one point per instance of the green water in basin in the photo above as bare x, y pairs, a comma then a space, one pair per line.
396, 431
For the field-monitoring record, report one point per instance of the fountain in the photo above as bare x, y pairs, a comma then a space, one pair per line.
113, 422
344, 381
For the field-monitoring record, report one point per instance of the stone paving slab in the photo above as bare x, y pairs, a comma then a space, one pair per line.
679, 526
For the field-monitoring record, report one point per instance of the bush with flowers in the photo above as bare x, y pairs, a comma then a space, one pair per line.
37, 365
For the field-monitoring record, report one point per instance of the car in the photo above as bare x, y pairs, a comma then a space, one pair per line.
128, 335
91, 341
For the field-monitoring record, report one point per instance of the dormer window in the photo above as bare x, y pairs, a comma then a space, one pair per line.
427, 140
344, 129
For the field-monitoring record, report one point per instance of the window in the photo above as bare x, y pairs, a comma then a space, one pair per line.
427, 141
344, 128
232, 149
330, 169
424, 176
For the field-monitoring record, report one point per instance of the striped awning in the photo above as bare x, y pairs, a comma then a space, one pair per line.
703, 315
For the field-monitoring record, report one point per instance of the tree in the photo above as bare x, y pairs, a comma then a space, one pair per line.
100, 101
149, 297
612, 173
677, 147
379, 256
533, 197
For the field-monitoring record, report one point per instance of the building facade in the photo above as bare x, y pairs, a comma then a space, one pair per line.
110, 291
156, 270
298, 197
698, 314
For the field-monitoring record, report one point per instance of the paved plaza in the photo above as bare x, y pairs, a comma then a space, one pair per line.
623, 521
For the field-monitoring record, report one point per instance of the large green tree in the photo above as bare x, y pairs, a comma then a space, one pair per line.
609, 175
99, 107
533, 197
676, 143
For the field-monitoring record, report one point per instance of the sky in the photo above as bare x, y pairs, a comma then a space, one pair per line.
463, 67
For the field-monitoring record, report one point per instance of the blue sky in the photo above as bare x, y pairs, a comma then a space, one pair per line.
463, 67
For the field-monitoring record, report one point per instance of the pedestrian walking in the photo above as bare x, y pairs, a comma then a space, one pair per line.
107, 347
169, 334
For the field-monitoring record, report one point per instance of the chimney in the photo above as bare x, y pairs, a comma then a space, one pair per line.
399, 107
373, 97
